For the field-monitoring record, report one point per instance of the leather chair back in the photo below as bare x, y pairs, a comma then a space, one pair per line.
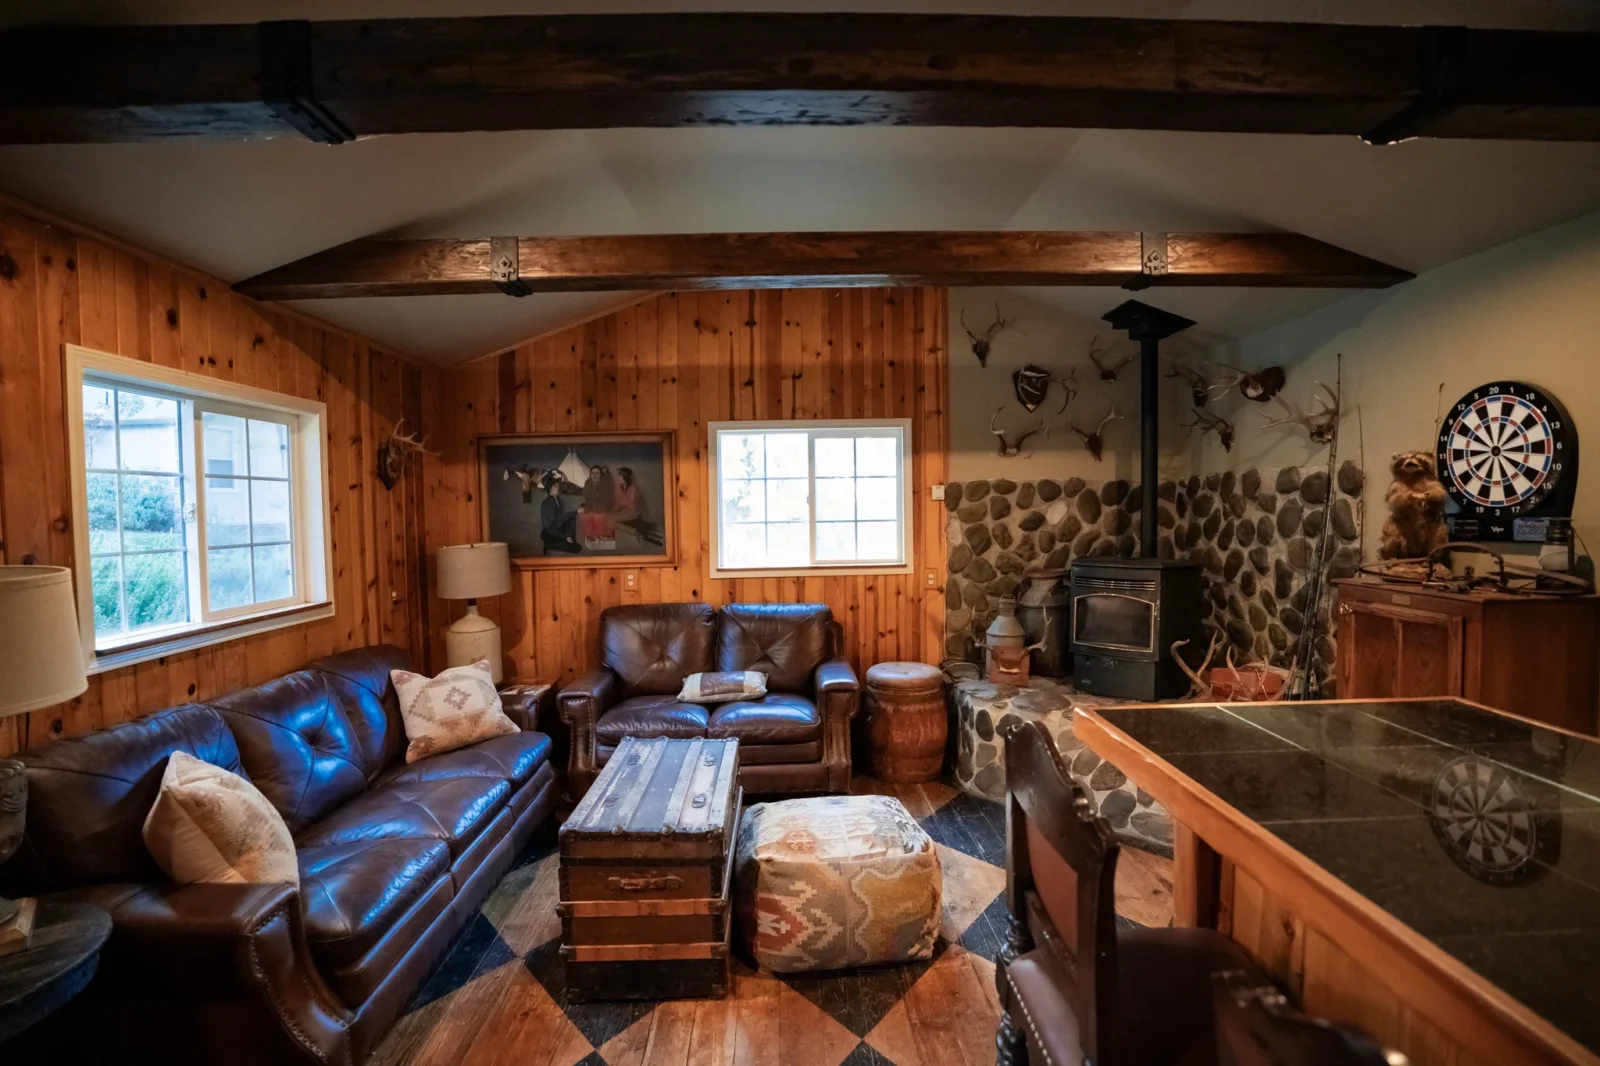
298, 745
1061, 861
88, 797
1256, 1026
360, 681
653, 647
785, 641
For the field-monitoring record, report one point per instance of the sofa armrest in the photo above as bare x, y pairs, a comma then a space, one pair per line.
835, 678
838, 700
587, 698
581, 704
528, 706
234, 944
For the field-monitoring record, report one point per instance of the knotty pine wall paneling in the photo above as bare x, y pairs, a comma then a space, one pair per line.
60, 284
679, 361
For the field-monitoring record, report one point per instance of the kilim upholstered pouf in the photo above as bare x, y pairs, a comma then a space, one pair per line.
835, 882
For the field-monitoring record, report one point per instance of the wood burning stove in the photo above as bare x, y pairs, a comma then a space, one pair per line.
1126, 613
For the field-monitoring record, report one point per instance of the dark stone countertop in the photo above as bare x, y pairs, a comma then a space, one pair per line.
1478, 830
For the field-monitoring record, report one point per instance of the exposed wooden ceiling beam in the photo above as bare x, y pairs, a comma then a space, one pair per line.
822, 260
339, 79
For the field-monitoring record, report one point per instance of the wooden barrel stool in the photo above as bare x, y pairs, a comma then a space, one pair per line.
907, 728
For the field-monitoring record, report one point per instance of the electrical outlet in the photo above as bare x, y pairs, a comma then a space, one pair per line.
630, 581
932, 578
936, 492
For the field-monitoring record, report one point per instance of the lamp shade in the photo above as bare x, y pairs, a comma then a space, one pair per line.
474, 571
41, 651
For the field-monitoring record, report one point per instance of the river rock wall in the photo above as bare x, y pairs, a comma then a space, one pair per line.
1255, 531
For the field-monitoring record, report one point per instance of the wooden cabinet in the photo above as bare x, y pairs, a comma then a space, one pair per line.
1530, 655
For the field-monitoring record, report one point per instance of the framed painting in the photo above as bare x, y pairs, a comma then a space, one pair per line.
581, 499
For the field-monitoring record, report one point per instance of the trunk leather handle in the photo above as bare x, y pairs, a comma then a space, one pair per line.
664, 883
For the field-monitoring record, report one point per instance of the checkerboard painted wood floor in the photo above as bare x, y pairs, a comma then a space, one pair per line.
498, 996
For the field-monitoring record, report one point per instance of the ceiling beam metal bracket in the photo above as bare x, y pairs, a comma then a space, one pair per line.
1441, 66
1152, 261
505, 267
286, 85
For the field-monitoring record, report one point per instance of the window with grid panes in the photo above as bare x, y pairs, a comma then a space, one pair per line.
810, 495
200, 510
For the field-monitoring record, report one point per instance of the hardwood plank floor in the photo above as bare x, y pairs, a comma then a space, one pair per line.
499, 996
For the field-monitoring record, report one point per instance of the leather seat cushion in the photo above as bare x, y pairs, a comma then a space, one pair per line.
650, 716
513, 756
455, 810
777, 718
1162, 974
1040, 1009
652, 647
353, 893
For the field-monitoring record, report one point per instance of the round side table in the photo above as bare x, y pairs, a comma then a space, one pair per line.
907, 727
57, 964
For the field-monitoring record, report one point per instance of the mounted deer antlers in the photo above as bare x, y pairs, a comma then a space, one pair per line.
1261, 386
1202, 385
1032, 384
1107, 373
1322, 424
1095, 441
1207, 423
980, 345
1011, 448
393, 451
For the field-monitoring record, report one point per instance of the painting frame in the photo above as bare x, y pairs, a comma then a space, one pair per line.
664, 439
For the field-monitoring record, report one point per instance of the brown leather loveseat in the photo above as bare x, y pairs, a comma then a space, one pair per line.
796, 739
393, 859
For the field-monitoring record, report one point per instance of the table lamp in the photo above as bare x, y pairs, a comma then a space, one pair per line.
41, 664
471, 572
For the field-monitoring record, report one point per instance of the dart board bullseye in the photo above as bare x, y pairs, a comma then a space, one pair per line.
1508, 457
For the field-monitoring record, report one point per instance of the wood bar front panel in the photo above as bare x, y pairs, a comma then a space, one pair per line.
60, 285
679, 361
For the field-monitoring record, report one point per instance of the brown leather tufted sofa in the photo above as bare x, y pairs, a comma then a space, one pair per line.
796, 739
393, 860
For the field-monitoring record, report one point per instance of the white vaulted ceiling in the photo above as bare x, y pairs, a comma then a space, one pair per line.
238, 208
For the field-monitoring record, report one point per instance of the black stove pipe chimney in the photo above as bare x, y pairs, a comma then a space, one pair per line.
1149, 326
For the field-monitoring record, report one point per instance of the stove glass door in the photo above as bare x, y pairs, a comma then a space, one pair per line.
1114, 621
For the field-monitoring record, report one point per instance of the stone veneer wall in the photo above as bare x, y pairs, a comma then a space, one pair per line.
1255, 532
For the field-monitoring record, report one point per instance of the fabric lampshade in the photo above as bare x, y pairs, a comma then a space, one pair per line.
41, 650
474, 571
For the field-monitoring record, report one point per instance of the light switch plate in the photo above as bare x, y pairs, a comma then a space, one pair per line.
936, 491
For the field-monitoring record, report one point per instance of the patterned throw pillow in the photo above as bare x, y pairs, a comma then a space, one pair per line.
209, 826
724, 688
457, 708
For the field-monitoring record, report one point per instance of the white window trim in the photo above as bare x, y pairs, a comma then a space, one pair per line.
310, 509
907, 515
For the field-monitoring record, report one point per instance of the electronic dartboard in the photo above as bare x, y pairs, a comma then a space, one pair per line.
1508, 457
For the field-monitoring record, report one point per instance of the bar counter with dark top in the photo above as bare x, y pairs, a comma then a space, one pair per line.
1475, 831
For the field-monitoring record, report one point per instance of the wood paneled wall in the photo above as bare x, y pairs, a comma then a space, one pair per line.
60, 285
679, 361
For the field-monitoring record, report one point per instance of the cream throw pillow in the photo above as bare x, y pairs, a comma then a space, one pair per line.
724, 687
209, 826
457, 708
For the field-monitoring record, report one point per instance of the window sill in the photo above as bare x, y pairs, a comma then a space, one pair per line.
853, 570
204, 636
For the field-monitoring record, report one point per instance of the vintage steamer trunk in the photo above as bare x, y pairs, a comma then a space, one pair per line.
646, 866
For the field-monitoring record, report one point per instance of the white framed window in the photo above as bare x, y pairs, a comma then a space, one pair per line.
799, 497
200, 508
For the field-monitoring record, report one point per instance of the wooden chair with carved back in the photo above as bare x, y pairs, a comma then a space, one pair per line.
1075, 988
1257, 1026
